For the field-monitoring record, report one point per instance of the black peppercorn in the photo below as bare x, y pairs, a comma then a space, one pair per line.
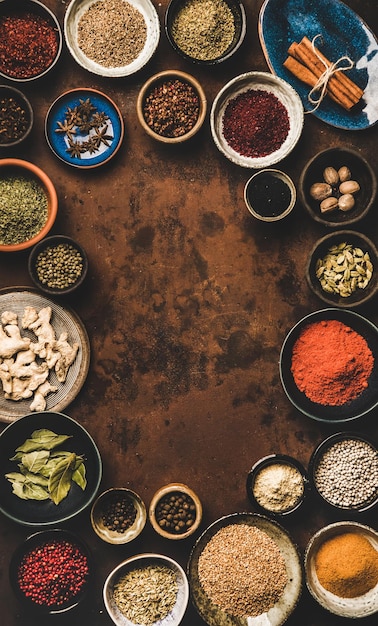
119, 514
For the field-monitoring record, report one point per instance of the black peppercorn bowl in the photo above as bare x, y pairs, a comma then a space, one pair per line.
58, 265
175, 511
239, 28
51, 572
270, 195
118, 515
16, 117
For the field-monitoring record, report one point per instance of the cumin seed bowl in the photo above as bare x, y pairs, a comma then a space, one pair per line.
197, 48
171, 89
16, 121
40, 204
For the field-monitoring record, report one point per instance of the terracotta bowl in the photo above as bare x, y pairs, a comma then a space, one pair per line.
26, 169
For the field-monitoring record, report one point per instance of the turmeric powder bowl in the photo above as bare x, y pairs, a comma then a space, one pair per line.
341, 569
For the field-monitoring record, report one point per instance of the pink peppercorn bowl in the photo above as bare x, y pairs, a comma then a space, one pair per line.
54, 581
38, 67
365, 403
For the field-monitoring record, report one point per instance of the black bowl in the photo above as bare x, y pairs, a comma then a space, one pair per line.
45, 513
364, 403
240, 23
53, 538
18, 106
358, 297
361, 171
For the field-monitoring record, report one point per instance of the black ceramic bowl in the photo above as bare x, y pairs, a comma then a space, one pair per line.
277, 484
239, 18
42, 49
45, 513
58, 265
329, 479
361, 172
17, 122
73, 580
364, 403
316, 271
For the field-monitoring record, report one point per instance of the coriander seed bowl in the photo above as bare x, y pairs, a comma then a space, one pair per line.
38, 205
171, 106
58, 265
118, 515
200, 38
16, 117
147, 574
175, 511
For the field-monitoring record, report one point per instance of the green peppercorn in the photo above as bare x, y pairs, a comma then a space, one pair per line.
59, 266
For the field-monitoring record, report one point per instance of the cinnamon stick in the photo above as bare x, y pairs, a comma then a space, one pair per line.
304, 74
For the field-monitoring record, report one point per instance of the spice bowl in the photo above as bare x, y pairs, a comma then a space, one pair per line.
198, 37
130, 584
175, 511
16, 117
341, 561
118, 515
333, 173
256, 96
343, 470
58, 265
91, 32
270, 195
22, 179
41, 43
68, 559
171, 106
277, 485
342, 269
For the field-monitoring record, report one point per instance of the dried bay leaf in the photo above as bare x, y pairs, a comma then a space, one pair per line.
34, 461
42, 439
60, 479
79, 476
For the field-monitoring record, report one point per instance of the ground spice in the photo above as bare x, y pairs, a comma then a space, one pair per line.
331, 363
242, 570
268, 195
278, 487
204, 29
112, 33
23, 209
255, 123
171, 109
347, 565
28, 44
14, 120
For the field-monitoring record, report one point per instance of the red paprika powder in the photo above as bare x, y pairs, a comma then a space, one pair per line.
331, 363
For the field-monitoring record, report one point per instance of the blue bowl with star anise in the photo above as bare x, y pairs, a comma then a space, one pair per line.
84, 128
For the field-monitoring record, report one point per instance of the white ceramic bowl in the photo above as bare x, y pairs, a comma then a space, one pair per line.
261, 81
74, 13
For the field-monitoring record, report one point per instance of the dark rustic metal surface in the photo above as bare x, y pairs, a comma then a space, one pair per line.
187, 303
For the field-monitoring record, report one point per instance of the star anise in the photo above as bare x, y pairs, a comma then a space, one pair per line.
66, 127
99, 119
75, 149
101, 134
86, 107
93, 144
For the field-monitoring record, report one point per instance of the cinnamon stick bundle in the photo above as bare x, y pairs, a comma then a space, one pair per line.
306, 64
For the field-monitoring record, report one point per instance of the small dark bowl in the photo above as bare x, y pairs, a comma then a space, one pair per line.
274, 214
366, 401
316, 458
240, 22
36, 8
38, 540
102, 503
40, 249
8, 94
319, 251
361, 172
269, 461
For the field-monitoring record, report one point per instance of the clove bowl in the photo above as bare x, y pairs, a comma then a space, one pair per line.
17, 122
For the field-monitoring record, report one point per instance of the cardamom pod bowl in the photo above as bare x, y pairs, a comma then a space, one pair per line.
352, 608
10, 135
13, 170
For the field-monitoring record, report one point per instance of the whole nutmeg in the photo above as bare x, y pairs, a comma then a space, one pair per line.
331, 176
346, 202
344, 174
349, 186
329, 204
320, 191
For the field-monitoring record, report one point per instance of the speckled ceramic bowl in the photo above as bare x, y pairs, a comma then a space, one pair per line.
108, 499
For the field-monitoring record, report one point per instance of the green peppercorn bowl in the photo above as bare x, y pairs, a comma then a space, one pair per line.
58, 265
155, 125
15, 229
16, 117
352, 608
166, 611
175, 511
73, 573
118, 515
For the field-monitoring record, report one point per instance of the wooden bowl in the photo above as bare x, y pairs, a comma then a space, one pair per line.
175, 489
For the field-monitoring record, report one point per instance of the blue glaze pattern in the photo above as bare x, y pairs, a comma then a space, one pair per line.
281, 22
58, 141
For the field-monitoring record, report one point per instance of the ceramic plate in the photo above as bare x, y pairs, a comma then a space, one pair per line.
343, 32
277, 615
102, 136
62, 319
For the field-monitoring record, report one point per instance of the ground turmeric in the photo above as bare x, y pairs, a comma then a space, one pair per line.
347, 565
